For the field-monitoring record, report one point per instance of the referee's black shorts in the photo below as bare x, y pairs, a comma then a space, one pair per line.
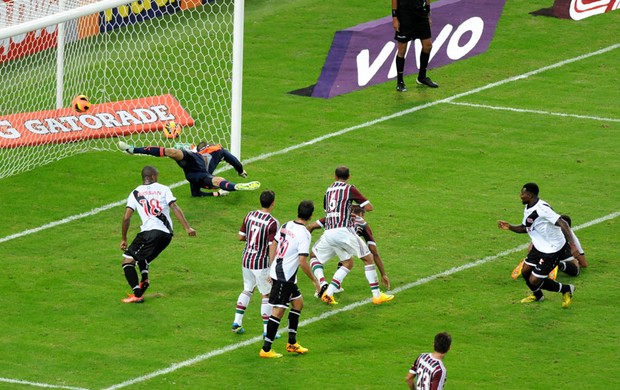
412, 28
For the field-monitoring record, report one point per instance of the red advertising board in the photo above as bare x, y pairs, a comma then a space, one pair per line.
101, 121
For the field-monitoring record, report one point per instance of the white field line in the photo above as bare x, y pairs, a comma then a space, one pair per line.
233, 347
36, 384
521, 110
199, 358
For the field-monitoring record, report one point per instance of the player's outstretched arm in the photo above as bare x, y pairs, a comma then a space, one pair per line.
515, 228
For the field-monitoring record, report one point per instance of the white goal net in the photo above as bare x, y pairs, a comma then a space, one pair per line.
141, 65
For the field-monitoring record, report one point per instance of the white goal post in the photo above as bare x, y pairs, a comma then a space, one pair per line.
141, 64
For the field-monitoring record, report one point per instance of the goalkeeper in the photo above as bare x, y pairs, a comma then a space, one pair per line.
215, 153
194, 165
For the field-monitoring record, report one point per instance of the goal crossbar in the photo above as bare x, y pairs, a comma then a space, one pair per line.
60, 17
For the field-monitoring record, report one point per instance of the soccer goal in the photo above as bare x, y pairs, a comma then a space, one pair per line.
141, 65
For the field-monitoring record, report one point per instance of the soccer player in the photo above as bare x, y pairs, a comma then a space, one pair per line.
339, 239
194, 166
429, 368
570, 265
258, 231
293, 246
153, 202
411, 20
215, 153
551, 239
362, 228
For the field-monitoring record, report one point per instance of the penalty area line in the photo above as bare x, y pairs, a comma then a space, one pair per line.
331, 313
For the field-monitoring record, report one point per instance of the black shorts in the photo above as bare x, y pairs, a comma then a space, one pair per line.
544, 263
412, 28
282, 293
148, 245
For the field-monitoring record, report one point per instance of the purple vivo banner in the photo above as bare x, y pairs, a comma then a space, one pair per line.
363, 55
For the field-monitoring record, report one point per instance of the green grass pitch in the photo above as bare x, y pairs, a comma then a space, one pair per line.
439, 178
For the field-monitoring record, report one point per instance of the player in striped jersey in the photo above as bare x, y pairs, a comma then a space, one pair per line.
258, 231
339, 239
153, 202
428, 367
362, 229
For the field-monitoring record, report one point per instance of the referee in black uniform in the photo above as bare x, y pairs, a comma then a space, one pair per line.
412, 20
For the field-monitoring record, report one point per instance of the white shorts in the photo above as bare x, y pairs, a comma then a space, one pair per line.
256, 278
341, 242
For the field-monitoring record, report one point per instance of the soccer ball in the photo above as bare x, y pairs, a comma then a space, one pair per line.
172, 130
80, 103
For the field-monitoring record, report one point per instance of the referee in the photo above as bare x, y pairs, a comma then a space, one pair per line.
411, 20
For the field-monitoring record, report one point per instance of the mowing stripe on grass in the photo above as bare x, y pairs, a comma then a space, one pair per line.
596, 118
327, 136
233, 347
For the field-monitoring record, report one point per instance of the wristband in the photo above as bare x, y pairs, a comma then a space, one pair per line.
393, 13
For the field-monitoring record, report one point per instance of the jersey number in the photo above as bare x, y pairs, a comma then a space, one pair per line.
151, 207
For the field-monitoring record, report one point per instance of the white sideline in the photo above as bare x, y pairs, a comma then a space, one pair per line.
233, 347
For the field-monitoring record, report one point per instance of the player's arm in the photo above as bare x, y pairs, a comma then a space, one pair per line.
361, 199
181, 217
582, 260
410, 380
303, 264
513, 228
318, 224
569, 236
125, 227
232, 160
379, 264
395, 22
273, 246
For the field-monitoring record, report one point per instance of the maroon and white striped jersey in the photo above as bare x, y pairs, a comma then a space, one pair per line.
259, 229
430, 373
337, 204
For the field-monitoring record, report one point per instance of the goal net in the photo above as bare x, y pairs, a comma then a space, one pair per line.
141, 65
